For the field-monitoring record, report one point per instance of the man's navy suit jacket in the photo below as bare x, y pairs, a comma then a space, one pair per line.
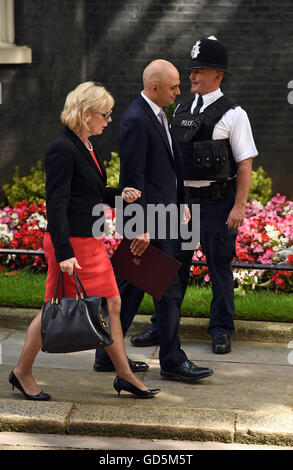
146, 160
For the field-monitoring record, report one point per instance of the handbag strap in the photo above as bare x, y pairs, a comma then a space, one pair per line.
78, 281
60, 274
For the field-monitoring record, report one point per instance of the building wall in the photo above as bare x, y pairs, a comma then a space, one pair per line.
111, 41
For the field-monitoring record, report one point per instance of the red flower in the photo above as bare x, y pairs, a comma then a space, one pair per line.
196, 271
33, 208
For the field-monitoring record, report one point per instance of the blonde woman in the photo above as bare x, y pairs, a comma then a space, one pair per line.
75, 183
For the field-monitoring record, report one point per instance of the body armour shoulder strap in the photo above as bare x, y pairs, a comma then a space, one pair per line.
184, 106
201, 126
212, 113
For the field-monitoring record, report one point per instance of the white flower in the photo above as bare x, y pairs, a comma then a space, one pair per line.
9, 258
40, 219
273, 233
5, 234
257, 204
14, 216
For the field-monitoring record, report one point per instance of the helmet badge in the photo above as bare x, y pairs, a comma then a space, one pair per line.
195, 50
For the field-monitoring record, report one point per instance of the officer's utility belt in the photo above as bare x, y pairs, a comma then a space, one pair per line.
216, 190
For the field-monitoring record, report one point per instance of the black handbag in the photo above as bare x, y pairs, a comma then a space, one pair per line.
75, 324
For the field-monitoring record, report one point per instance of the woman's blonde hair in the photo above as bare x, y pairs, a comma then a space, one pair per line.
88, 96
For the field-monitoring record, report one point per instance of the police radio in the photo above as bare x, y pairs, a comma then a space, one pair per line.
194, 128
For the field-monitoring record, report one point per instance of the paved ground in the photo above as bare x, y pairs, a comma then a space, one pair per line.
27, 441
248, 400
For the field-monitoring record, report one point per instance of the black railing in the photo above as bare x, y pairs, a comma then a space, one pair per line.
257, 266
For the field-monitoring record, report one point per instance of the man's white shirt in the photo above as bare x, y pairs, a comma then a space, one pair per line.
155, 108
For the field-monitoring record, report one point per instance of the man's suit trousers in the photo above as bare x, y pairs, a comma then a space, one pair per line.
167, 311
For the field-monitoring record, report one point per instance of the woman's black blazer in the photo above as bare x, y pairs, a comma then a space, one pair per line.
74, 185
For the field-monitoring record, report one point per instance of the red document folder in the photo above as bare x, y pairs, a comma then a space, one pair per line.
151, 272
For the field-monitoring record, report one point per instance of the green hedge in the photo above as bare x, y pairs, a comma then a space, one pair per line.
30, 187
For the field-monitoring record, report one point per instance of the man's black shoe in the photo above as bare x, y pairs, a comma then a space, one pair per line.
187, 372
107, 366
148, 337
221, 344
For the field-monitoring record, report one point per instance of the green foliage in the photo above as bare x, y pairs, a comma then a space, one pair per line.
260, 186
169, 110
113, 169
30, 187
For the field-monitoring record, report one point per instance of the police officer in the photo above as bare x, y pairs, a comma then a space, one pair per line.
215, 138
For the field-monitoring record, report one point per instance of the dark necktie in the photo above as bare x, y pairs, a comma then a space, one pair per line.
165, 125
198, 105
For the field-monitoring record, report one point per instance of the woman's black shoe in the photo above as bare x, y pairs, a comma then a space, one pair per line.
42, 396
121, 384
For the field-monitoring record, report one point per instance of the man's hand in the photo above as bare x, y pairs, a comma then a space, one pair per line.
130, 194
68, 265
140, 244
237, 213
236, 216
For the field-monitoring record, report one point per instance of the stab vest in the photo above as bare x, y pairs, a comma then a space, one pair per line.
203, 158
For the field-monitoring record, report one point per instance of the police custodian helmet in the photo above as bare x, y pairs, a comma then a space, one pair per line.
209, 53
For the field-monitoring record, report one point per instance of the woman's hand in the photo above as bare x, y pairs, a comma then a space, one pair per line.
186, 215
68, 265
130, 194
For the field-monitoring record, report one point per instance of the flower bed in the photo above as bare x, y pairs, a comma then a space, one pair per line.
265, 237
23, 227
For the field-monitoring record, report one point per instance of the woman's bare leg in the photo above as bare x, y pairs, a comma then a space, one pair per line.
31, 347
117, 350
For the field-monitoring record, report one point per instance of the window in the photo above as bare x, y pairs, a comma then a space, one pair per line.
10, 53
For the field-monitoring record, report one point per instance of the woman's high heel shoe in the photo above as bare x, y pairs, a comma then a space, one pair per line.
42, 396
121, 384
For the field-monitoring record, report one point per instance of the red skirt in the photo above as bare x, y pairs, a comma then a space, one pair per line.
96, 275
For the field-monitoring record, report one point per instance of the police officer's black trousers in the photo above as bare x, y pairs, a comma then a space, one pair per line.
218, 245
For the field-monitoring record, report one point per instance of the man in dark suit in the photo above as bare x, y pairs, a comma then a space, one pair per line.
150, 161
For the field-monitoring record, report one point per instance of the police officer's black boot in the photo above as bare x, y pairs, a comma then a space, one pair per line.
148, 337
221, 344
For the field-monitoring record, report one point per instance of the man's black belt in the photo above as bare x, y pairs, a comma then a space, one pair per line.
216, 190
